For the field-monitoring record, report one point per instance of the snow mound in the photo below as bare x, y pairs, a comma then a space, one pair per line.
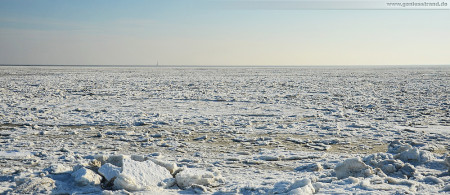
354, 167
389, 165
414, 155
136, 176
194, 177
303, 186
397, 147
385, 162
408, 153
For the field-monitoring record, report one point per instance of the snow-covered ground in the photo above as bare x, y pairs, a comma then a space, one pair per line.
224, 130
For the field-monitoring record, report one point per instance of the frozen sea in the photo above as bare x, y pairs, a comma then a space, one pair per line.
225, 130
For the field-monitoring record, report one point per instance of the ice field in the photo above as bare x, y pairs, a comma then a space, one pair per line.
225, 130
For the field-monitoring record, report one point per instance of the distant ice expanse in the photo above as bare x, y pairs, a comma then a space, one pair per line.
249, 130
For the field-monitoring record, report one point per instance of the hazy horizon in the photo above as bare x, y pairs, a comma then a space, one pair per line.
228, 66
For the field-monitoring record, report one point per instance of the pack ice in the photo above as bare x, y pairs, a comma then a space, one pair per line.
224, 130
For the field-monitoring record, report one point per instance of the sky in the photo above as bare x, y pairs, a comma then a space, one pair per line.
214, 32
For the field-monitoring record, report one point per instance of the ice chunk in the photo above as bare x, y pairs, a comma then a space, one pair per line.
395, 181
396, 147
352, 167
318, 146
408, 170
116, 160
122, 132
115, 192
167, 183
109, 171
375, 159
243, 153
85, 177
384, 161
390, 166
201, 138
414, 155
310, 167
189, 177
269, 158
139, 158
137, 175
281, 187
303, 186
171, 167
127, 183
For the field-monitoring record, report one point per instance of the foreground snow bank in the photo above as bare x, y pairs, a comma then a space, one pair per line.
404, 168
138, 173
399, 168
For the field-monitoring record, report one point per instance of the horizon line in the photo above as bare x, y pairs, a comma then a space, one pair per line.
191, 65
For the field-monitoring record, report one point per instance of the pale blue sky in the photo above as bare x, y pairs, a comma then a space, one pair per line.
194, 32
